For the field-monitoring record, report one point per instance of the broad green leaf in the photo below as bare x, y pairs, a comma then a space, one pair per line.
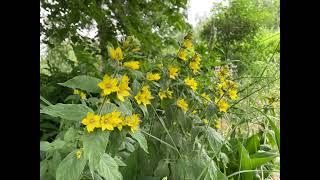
72, 112
253, 144
162, 169
141, 140
108, 168
108, 107
144, 110
261, 158
58, 144
45, 146
54, 163
83, 82
276, 132
70, 134
245, 162
215, 139
221, 176
119, 161
94, 145
70, 167
43, 167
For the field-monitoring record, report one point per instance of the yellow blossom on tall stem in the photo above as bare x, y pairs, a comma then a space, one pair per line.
108, 85
162, 94
133, 122
205, 96
78, 154
187, 43
196, 58
132, 65
153, 77
233, 94
115, 54
91, 121
173, 72
182, 104
111, 120
123, 88
194, 66
222, 105
191, 83
144, 96
182, 54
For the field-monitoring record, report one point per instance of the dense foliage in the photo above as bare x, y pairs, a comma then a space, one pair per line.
149, 99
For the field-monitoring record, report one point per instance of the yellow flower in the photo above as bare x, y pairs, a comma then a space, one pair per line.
187, 43
115, 54
195, 66
111, 120
169, 93
194, 112
135, 49
108, 85
91, 121
76, 91
232, 85
153, 77
123, 88
80, 93
205, 121
218, 124
165, 94
233, 94
144, 96
205, 96
196, 58
224, 71
78, 154
173, 72
159, 65
133, 122
162, 94
191, 82
132, 64
182, 104
222, 105
182, 54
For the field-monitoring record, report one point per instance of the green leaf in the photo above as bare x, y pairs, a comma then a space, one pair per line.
108, 168
253, 144
72, 112
70, 167
221, 176
108, 107
119, 161
94, 145
144, 110
215, 139
245, 162
141, 140
43, 167
162, 169
70, 134
45, 146
83, 82
261, 158
276, 131
58, 144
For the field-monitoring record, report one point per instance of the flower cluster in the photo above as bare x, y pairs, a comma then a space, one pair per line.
144, 96
195, 63
80, 93
109, 85
165, 94
110, 121
225, 88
